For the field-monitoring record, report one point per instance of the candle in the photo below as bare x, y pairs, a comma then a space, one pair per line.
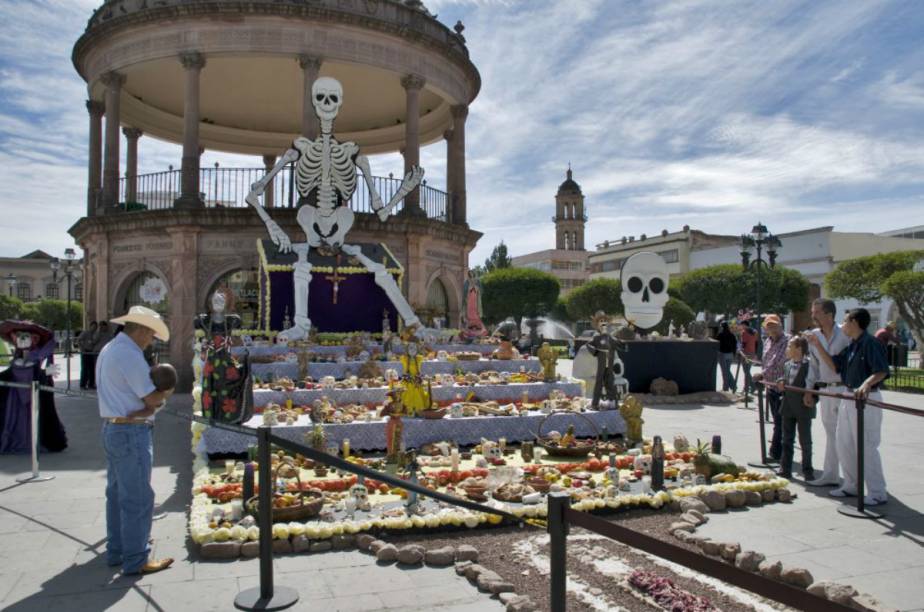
454, 459
229, 466
524, 399
502, 444
346, 448
289, 403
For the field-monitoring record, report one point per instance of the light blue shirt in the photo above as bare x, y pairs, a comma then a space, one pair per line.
820, 368
123, 378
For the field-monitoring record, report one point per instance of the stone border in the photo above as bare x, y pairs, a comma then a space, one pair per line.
694, 513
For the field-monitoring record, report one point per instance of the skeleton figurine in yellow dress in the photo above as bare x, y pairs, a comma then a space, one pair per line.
547, 357
415, 396
631, 411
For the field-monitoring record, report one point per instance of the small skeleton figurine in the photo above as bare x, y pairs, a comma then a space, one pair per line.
325, 175
361, 496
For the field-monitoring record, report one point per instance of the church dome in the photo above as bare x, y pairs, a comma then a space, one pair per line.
569, 186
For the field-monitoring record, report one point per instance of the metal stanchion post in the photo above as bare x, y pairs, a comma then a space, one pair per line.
763, 463
265, 596
34, 417
558, 549
860, 511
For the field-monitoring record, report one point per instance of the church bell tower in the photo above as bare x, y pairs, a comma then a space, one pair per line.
569, 216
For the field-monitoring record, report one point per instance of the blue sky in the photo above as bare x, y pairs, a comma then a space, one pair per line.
708, 113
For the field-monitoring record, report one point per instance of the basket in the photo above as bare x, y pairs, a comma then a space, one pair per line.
309, 503
580, 450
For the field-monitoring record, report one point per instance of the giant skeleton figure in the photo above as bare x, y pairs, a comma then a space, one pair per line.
328, 168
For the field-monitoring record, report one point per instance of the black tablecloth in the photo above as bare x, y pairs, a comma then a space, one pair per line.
689, 363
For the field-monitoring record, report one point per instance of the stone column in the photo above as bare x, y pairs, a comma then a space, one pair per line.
268, 162
95, 164
450, 175
311, 66
412, 85
103, 299
184, 272
189, 186
455, 165
131, 163
113, 82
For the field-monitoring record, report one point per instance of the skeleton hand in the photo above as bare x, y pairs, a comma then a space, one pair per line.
52, 370
279, 237
413, 178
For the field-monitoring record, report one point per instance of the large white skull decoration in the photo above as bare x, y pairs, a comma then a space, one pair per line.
644, 289
327, 98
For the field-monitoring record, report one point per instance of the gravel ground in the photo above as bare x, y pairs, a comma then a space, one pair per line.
512, 552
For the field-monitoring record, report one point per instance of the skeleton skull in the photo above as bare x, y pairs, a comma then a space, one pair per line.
360, 495
644, 289
327, 98
23, 340
493, 451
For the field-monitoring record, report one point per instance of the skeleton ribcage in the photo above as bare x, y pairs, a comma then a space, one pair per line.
334, 178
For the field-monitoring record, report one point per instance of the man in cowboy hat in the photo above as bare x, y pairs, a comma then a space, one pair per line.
772, 361
127, 402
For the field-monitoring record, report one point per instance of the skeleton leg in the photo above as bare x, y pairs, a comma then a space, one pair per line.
386, 281
301, 279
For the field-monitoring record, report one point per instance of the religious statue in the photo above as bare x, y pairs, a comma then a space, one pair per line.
472, 326
33, 345
548, 358
227, 388
631, 411
415, 397
325, 177
603, 346
395, 426
387, 336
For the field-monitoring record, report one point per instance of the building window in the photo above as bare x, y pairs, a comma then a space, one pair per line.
51, 291
245, 287
24, 291
671, 256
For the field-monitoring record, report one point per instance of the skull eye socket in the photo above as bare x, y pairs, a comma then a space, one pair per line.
319, 97
656, 285
634, 284
334, 99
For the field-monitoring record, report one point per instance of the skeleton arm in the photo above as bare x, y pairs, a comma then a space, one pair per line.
411, 180
279, 237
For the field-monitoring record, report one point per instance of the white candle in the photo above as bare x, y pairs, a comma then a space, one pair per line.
454, 459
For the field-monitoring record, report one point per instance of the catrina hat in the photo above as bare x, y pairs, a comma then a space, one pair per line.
40, 335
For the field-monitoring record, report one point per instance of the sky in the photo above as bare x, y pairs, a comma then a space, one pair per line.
714, 114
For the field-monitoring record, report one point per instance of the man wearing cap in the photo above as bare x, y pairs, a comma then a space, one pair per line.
127, 402
862, 367
774, 356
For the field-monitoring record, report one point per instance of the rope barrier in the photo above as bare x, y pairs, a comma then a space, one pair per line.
849, 397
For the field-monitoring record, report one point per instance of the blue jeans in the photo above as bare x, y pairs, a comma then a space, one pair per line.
129, 496
725, 364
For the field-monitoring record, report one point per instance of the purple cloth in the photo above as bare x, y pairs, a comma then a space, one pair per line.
15, 407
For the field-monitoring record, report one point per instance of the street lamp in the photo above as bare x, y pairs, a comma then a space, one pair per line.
759, 238
11, 282
69, 257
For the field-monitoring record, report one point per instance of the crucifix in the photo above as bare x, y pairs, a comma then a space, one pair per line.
336, 277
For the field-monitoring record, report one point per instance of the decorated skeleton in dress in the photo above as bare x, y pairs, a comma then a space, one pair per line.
327, 168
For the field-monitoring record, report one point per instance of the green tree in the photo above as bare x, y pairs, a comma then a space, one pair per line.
560, 312
727, 288
892, 275
53, 313
677, 311
518, 293
498, 258
598, 294
10, 307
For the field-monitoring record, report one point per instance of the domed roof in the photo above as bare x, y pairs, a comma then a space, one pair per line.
569, 186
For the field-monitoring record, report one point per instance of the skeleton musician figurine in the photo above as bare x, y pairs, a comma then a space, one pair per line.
326, 170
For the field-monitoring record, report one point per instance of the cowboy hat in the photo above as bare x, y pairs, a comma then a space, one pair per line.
147, 318
772, 319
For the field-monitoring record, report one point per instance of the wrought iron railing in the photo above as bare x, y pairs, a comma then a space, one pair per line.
227, 187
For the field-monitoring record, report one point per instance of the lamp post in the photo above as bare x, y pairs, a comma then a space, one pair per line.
69, 257
759, 238
11, 282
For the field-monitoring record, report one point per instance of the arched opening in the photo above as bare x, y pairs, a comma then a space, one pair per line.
149, 290
437, 305
245, 286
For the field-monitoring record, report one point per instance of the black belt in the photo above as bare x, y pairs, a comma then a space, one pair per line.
822, 385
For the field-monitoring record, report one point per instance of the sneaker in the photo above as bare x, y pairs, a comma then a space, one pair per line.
841, 492
869, 500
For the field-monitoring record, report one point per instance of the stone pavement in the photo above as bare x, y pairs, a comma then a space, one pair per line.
52, 539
